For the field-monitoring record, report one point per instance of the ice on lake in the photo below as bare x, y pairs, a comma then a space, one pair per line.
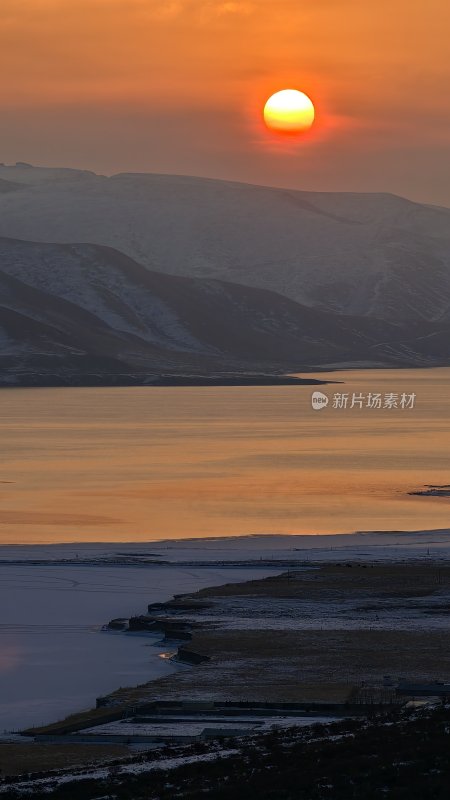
54, 657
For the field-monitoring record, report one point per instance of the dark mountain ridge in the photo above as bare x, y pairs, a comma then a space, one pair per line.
82, 313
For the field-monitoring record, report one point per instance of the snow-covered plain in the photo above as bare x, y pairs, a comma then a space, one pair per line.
194, 726
413, 614
377, 545
54, 657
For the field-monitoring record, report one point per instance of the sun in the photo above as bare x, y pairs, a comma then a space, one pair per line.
289, 111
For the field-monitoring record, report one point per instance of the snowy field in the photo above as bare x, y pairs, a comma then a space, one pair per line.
195, 725
54, 658
374, 545
413, 614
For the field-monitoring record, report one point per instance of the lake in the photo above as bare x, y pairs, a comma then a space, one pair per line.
54, 657
141, 463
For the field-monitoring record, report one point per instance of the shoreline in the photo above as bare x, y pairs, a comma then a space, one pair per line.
55, 611
95, 381
221, 632
246, 661
293, 377
258, 554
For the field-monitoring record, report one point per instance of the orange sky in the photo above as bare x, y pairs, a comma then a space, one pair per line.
178, 86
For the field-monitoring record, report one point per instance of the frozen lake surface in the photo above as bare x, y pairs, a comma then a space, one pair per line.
54, 658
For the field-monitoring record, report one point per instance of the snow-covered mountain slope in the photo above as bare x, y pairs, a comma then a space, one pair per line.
365, 254
72, 311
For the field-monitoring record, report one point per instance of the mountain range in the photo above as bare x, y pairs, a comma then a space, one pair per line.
135, 277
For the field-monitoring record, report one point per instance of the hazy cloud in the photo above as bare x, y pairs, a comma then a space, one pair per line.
241, 8
202, 10
169, 9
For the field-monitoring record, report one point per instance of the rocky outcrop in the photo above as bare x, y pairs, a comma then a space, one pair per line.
190, 657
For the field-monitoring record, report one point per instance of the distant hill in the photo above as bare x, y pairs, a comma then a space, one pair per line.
80, 313
374, 255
